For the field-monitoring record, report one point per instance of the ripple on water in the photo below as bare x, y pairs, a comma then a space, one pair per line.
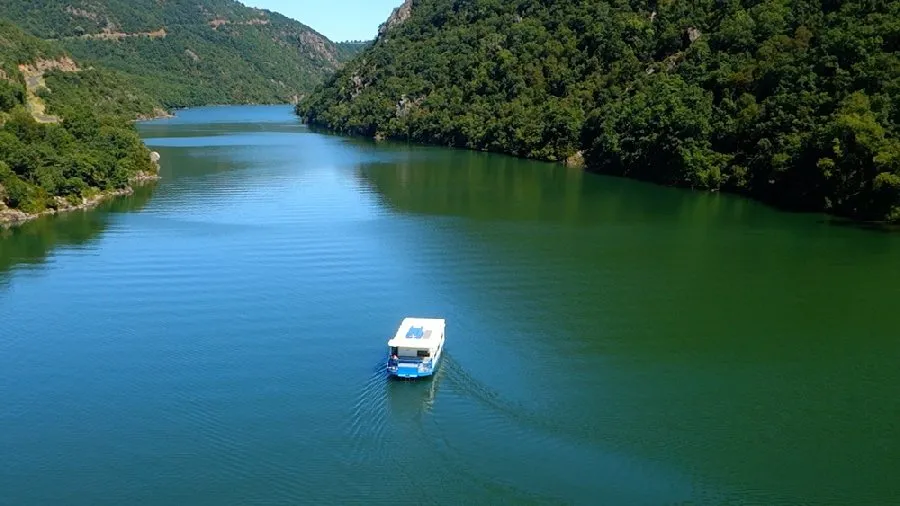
476, 419
217, 345
366, 425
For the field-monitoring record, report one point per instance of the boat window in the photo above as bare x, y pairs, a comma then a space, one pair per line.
423, 353
394, 350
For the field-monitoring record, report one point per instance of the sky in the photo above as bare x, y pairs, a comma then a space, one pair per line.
339, 20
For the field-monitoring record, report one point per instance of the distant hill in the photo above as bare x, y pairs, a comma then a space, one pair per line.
188, 53
350, 48
795, 102
65, 135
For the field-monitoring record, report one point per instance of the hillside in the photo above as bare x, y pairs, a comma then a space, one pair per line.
188, 53
65, 136
795, 102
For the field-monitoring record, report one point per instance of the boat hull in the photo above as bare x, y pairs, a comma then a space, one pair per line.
412, 371
412, 374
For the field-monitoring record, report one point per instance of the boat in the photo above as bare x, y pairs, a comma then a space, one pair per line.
415, 350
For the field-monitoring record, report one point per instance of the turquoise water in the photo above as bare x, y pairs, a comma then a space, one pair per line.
219, 337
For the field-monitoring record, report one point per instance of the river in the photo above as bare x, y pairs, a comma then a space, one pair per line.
219, 338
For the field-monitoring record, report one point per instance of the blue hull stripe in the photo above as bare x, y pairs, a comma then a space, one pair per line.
413, 372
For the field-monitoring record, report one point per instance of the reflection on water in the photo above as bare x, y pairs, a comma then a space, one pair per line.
32, 242
613, 341
487, 187
407, 398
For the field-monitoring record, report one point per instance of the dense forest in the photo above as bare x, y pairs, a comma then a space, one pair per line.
187, 53
795, 102
57, 148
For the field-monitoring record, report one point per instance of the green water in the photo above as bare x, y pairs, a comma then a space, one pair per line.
219, 338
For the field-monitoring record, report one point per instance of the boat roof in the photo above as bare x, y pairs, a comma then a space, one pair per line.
418, 333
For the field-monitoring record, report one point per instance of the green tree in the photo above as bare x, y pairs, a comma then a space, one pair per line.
796, 102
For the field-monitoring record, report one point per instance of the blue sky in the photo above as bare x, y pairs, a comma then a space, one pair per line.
336, 19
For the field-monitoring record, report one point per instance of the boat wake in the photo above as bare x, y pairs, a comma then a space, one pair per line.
468, 387
368, 416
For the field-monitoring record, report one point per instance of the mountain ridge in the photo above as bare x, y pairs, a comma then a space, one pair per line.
188, 53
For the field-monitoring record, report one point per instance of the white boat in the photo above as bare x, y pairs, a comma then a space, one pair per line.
415, 351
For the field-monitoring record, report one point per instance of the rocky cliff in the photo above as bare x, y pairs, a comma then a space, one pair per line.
397, 18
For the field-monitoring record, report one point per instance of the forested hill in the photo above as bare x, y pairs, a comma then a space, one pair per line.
65, 136
796, 102
189, 52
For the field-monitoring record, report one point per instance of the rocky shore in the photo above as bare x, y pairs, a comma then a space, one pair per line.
156, 114
13, 217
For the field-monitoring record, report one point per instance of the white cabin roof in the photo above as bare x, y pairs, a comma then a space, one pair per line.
418, 333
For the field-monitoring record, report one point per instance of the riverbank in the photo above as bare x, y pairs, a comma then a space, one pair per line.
578, 161
157, 113
14, 217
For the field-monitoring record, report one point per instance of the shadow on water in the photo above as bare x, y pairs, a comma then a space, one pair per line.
886, 228
31, 243
478, 185
485, 186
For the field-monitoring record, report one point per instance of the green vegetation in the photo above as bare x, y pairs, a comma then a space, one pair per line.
59, 163
189, 53
795, 102
99, 91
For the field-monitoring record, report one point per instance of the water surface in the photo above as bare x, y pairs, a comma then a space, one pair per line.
218, 338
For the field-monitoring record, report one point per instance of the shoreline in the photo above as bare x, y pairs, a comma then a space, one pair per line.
156, 114
13, 217
577, 162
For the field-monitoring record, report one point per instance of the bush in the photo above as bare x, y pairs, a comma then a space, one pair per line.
11, 95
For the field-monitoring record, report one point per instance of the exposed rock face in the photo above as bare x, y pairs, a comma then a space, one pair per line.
397, 17
318, 45
359, 84
692, 34
34, 81
154, 157
217, 22
576, 160
64, 64
10, 217
407, 105
110, 33
157, 113
82, 13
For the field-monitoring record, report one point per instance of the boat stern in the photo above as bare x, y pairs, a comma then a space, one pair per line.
409, 370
